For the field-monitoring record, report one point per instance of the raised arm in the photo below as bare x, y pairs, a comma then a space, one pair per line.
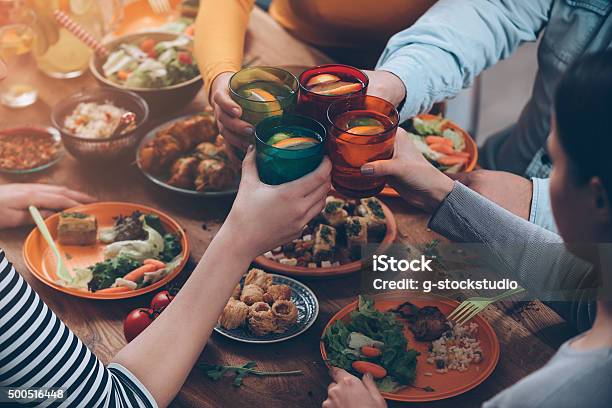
453, 42
219, 37
37, 350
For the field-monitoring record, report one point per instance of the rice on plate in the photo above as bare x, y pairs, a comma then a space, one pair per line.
456, 349
91, 120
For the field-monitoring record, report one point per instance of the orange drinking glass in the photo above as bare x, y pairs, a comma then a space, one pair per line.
362, 130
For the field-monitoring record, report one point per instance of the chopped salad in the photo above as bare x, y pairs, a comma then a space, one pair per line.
439, 143
151, 64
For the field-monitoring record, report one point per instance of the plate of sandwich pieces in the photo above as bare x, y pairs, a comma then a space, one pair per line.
413, 351
188, 156
337, 241
267, 308
110, 250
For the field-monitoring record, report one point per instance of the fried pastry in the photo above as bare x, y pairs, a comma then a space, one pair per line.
261, 319
251, 294
236, 291
234, 314
259, 278
285, 312
182, 172
214, 175
277, 292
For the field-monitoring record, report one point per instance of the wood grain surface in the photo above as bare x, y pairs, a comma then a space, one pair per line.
529, 334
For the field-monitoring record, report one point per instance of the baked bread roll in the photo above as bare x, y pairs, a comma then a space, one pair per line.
261, 320
259, 278
285, 312
251, 294
234, 314
277, 292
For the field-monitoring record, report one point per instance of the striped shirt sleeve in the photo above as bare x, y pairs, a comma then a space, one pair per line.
38, 350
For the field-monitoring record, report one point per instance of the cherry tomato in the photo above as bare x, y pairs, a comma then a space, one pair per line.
161, 300
136, 321
185, 58
147, 44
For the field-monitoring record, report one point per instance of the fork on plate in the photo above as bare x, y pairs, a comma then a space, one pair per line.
472, 306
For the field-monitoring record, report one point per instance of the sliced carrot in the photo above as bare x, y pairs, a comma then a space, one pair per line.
461, 154
452, 160
155, 262
370, 351
363, 367
442, 148
139, 272
122, 75
116, 289
433, 139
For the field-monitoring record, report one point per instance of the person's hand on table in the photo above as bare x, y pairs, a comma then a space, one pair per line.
510, 191
416, 180
270, 216
386, 85
348, 391
236, 132
15, 199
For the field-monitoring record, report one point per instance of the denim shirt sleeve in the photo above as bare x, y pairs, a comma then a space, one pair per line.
454, 41
541, 210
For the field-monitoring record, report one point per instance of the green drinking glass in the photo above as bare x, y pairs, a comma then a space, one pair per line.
263, 92
288, 147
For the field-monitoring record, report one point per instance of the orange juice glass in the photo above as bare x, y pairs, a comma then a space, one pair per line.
362, 130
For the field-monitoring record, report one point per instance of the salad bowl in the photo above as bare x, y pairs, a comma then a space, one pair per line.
164, 90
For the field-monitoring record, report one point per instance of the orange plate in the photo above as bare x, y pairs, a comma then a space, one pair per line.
446, 385
470, 147
41, 262
332, 271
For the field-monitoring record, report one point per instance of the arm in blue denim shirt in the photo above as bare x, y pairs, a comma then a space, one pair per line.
541, 211
456, 40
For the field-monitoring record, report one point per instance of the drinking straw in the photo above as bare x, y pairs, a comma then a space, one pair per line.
80, 33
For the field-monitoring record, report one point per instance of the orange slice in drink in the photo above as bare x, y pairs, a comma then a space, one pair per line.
336, 88
366, 130
322, 79
296, 143
261, 95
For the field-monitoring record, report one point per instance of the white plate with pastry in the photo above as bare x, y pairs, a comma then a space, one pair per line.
268, 308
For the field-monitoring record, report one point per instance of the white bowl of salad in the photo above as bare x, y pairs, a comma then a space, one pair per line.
159, 66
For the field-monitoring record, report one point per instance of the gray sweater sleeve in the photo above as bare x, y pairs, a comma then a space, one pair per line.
533, 256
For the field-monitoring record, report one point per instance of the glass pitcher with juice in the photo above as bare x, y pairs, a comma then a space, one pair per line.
59, 53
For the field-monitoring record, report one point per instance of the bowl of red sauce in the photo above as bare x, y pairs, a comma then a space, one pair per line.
28, 149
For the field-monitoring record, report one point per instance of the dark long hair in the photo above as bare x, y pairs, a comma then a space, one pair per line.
583, 107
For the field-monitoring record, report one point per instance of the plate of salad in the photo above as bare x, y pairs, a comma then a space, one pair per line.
412, 351
110, 250
443, 143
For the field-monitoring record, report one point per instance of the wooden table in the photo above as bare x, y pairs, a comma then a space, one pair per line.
528, 336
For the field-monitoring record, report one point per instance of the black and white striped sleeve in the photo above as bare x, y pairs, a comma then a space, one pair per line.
38, 350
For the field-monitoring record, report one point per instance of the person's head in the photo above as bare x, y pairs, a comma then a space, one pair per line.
580, 147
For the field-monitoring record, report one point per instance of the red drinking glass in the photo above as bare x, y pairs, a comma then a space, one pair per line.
321, 86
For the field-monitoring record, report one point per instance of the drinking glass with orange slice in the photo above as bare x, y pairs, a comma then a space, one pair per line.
288, 147
362, 130
16, 42
263, 92
321, 86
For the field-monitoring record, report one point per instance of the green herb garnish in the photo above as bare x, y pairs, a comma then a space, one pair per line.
172, 247
216, 372
105, 272
73, 215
